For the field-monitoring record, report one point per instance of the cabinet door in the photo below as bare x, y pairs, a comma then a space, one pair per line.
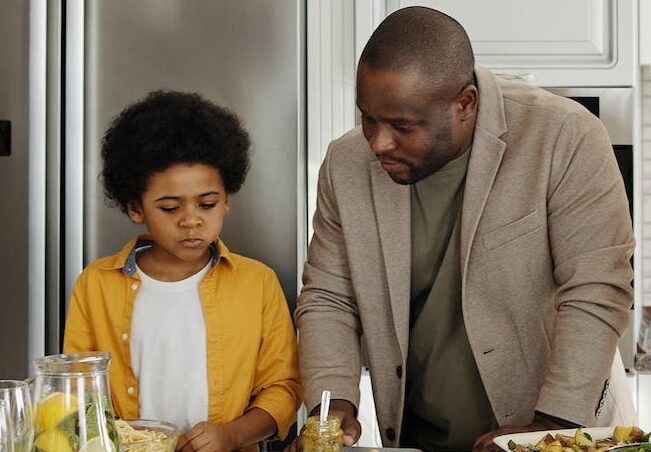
645, 31
551, 42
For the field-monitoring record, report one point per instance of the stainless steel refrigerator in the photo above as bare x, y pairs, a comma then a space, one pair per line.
67, 67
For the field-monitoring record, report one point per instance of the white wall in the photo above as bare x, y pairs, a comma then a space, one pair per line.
644, 381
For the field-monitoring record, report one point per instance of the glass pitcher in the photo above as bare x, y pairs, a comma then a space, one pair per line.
72, 404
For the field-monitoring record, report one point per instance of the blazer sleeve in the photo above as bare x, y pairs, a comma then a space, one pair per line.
326, 314
591, 243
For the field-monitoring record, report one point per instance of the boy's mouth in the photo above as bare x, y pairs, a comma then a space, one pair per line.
192, 243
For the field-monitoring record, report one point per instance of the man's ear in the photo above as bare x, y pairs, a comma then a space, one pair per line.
467, 103
227, 203
134, 210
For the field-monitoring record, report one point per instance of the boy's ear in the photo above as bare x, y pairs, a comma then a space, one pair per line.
135, 212
227, 203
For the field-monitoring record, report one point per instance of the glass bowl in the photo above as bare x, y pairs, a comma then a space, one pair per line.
147, 435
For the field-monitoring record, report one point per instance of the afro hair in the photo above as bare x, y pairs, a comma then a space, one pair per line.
167, 128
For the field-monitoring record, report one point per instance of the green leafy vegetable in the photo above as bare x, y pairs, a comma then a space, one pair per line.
68, 427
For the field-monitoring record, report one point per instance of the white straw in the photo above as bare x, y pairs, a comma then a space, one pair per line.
325, 405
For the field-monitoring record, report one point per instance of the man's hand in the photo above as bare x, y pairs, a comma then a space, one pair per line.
207, 437
485, 442
345, 411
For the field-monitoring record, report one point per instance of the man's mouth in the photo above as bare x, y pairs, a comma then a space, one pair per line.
390, 163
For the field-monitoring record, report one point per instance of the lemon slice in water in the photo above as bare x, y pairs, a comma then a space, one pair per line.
53, 441
95, 445
51, 410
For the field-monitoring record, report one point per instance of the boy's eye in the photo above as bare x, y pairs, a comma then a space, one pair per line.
167, 209
207, 205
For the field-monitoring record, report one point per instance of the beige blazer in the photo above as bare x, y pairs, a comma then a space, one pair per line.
546, 240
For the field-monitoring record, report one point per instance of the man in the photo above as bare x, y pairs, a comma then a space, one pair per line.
476, 232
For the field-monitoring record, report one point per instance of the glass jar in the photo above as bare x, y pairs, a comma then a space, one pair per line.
72, 404
323, 436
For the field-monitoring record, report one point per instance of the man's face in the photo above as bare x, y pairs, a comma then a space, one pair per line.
414, 129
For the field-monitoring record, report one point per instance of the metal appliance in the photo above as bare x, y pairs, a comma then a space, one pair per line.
67, 67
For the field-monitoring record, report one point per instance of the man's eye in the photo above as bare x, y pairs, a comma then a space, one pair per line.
168, 209
400, 127
207, 205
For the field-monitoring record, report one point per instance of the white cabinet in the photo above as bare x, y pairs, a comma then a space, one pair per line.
550, 42
589, 43
645, 31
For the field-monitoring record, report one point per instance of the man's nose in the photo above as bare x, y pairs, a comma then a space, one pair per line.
382, 141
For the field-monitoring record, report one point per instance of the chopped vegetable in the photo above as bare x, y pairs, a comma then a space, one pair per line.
583, 442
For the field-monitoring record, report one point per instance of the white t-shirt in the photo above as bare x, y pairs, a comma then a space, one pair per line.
168, 350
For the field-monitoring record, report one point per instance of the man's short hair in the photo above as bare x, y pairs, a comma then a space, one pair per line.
424, 38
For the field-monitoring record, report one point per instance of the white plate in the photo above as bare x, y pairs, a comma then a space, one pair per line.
534, 437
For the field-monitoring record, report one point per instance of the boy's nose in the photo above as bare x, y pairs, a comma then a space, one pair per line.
190, 222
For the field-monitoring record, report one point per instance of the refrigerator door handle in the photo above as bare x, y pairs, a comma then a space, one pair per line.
36, 189
53, 242
74, 145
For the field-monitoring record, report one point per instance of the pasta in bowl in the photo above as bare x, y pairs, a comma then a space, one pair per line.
145, 435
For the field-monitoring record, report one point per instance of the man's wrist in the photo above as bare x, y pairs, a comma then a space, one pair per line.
338, 405
553, 421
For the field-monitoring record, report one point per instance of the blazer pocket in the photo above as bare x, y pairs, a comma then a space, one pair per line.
514, 230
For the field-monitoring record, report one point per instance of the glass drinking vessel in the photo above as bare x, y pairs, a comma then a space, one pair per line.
16, 421
72, 404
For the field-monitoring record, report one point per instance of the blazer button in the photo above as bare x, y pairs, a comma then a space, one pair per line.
391, 434
399, 371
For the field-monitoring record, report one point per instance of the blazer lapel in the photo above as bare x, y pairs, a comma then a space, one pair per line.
485, 158
393, 213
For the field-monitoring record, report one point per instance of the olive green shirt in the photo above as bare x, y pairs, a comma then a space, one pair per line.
446, 406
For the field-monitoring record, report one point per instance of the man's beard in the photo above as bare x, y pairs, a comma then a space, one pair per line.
417, 173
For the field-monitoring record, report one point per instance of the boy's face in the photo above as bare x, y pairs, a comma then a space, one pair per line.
183, 208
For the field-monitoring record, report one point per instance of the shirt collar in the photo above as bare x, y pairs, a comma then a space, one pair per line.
126, 258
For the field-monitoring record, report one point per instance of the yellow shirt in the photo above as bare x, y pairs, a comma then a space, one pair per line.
250, 338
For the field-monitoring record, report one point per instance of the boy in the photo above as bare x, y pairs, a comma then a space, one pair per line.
199, 336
